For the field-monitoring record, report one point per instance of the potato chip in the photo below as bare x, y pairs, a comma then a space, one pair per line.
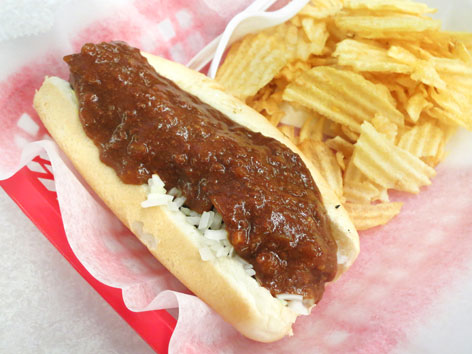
315, 31
368, 56
454, 107
401, 6
426, 73
353, 174
388, 165
423, 70
268, 102
325, 162
360, 192
251, 64
300, 43
289, 132
366, 216
415, 106
341, 160
386, 26
351, 135
359, 189
312, 129
385, 127
319, 9
340, 144
293, 69
452, 66
424, 141
342, 96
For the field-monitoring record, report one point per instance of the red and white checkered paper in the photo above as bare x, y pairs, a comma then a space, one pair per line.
405, 268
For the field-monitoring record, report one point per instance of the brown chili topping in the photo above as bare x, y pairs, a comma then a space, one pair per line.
143, 124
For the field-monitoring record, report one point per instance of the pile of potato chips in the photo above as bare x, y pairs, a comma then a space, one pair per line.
374, 86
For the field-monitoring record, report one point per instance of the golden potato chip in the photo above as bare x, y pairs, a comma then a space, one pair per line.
384, 126
426, 73
387, 165
386, 26
340, 159
415, 106
453, 107
342, 96
321, 61
360, 192
368, 56
353, 174
366, 216
351, 135
289, 132
268, 102
293, 69
319, 9
315, 31
312, 129
425, 141
422, 70
300, 43
325, 162
401, 6
359, 189
340, 144
251, 64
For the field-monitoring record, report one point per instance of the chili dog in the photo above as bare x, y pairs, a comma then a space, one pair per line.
217, 194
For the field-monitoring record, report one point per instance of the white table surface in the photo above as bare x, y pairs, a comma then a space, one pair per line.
45, 305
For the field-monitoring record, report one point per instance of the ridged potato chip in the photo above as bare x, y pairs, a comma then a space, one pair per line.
366, 216
290, 132
340, 144
312, 129
341, 160
319, 9
401, 6
385, 127
387, 164
325, 162
386, 26
254, 62
415, 106
342, 96
453, 107
361, 193
425, 141
368, 56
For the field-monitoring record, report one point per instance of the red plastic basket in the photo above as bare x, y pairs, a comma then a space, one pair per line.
41, 206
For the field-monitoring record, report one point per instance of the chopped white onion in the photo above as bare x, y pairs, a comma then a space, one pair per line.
193, 220
156, 200
290, 297
217, 220
298, 307
156, 181
251, 272
175, 192
206, 220
179, 201
216, 235
185, 211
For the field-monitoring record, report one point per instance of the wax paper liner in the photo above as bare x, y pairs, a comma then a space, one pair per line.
403, 269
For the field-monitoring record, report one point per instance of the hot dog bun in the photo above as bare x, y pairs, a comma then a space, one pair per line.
222, 283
